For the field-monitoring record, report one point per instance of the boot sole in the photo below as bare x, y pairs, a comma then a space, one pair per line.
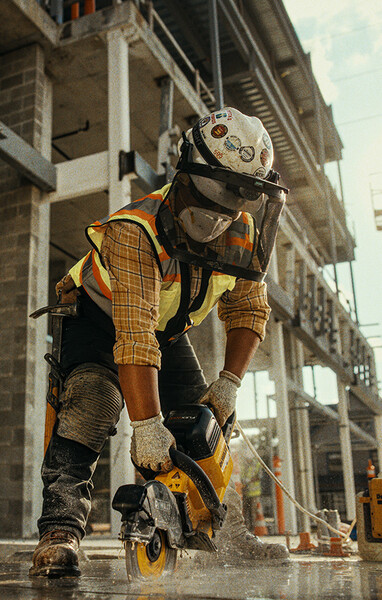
54, 571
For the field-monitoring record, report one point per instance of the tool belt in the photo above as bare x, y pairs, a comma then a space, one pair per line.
67, 306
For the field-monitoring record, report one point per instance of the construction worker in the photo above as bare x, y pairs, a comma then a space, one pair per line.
158, 266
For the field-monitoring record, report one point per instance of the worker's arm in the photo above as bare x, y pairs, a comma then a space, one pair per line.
245, 312
135, 282
242, 344
139, 385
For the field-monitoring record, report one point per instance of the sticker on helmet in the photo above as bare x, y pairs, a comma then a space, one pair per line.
218, 154
267, 141
265, 159
229, 117
204, 121
213, 119
232, 142
247, 153
219, 131
220, 115
260, 172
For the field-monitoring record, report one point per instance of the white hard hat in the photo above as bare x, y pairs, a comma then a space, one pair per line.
228, 138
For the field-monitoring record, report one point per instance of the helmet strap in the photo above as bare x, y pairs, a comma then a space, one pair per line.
185, 153
201, 146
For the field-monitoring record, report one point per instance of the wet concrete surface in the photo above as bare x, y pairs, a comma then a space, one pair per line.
306, 577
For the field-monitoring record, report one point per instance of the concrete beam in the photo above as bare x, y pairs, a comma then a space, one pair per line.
368, 397
39, 18
107, 19
330, 413
81, 176
26, 160
90, 175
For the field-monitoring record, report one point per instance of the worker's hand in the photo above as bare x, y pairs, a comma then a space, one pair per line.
150, 444
221, 396
66, 290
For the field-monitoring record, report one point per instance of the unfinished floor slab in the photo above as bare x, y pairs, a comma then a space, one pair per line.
306, 577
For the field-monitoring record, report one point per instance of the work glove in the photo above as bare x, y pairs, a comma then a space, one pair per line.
150, 444
66, 290
221, 396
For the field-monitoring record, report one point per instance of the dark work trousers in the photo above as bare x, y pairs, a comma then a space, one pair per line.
68, 466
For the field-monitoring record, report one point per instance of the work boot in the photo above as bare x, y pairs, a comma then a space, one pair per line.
56, 555
234, 539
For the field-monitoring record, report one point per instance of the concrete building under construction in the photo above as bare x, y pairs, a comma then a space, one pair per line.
93, 97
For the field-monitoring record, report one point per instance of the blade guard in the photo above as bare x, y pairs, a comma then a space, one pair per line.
145, 508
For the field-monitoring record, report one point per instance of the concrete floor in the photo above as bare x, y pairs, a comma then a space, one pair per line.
307, 577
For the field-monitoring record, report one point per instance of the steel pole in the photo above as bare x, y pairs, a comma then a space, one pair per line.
346, 450
215, 55
165, 126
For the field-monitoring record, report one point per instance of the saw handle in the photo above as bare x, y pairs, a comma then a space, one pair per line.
202, 483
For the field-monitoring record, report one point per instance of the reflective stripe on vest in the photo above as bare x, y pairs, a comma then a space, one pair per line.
93, 277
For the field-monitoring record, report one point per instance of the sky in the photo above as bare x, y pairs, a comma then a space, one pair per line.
344, 38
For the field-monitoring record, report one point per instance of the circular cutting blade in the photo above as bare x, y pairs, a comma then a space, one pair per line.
152, 560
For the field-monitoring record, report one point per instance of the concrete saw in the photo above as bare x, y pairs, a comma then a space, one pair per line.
181, 509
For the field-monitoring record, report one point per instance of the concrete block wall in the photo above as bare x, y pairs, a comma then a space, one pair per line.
25, 107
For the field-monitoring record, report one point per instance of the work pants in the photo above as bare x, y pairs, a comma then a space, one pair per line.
68, 465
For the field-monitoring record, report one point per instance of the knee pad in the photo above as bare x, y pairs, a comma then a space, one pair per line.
90, 405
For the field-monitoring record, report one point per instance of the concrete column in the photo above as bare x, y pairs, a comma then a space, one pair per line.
303, 441
346, 450
166, 121
278, 373
25, 107
37, 334
121, 468
279, 376
378, 435
118, 116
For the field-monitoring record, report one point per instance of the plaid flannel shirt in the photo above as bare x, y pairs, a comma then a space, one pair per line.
135, 285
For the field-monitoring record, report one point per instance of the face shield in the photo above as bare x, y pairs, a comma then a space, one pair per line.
244, 249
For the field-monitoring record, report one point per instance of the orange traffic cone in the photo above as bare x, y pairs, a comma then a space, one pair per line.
305, 544
260, 526
370, 469
336, 548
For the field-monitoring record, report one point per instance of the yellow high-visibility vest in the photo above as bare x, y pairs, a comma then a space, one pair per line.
174, 319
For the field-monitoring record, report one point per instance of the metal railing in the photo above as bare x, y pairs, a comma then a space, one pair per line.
152, 18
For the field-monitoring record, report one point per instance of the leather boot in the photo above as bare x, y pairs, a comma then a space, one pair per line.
234, 539
56, 555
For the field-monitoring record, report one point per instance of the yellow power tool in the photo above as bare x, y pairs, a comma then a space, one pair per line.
369, 521
183, 508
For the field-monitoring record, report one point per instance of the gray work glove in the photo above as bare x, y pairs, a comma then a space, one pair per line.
221, 396
150, 444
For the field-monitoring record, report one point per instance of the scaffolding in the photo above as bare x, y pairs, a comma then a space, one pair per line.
111, 90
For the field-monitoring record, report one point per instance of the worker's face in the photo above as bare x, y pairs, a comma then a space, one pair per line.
201, 219
185, 198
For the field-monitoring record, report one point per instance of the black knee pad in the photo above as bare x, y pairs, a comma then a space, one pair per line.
90, 405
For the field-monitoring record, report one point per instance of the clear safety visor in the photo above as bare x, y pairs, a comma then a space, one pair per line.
246, 189
244, 250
